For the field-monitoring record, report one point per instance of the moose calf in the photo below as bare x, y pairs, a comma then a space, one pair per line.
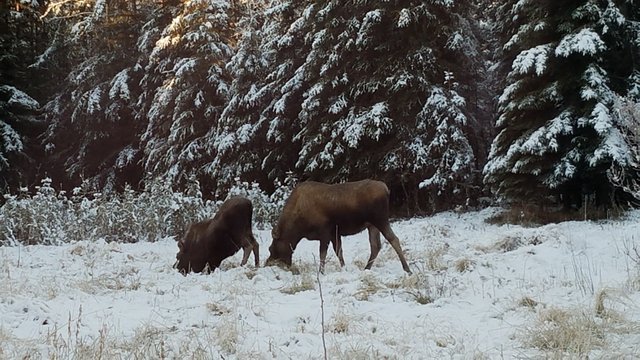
207, 243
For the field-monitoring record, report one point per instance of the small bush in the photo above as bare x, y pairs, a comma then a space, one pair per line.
266, 208
51, 217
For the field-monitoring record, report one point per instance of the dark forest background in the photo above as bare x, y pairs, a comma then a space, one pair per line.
450, 102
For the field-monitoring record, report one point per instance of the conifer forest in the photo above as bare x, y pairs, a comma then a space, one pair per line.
451, 103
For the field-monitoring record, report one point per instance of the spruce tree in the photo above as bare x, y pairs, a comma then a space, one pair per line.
365, 89
260, 121
557, 134
186, 87
22, 36
92, 133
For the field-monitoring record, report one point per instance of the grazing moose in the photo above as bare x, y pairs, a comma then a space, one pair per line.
324, 212
208, 242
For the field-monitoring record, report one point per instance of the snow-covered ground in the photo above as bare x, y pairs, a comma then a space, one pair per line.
477, 291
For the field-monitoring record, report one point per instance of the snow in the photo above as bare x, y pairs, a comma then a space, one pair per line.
119, 86
585, 42
119, 299
370, 19
534, 58
373, 122
19, 99
404, 18
126, 156
11, 140
94, 99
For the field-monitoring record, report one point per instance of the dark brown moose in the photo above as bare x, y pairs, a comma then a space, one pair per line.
207, 243
325, 212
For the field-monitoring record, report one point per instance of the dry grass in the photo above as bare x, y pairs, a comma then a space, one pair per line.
300, 283
250, 273
434, 257
359, 350
340, 323
124, 280
511, 243
464, 264
227, 333
369, 285
421, 290
527, 302
561, 333
217, 309
580, 334
419, 285
631, 249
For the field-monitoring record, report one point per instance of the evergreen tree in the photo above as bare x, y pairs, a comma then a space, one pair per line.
92, 132
365, 89
186, 87
259, 122
22, 35
556, 131
626, 179
236, 154
18, 127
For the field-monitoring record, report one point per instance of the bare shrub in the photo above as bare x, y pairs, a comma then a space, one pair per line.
584, 271
631, 249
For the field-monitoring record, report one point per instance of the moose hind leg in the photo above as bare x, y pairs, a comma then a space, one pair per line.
245, 255
395, 243
337, 247
249, 244
256, 249
374, 241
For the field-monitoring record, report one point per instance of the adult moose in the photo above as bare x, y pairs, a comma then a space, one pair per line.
208, 242
325, 212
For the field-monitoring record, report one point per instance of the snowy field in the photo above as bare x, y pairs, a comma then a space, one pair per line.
478, 291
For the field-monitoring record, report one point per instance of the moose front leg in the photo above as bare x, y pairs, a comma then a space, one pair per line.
324, 246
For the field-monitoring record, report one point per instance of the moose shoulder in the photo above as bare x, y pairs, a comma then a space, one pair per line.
325, 212
208, 242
